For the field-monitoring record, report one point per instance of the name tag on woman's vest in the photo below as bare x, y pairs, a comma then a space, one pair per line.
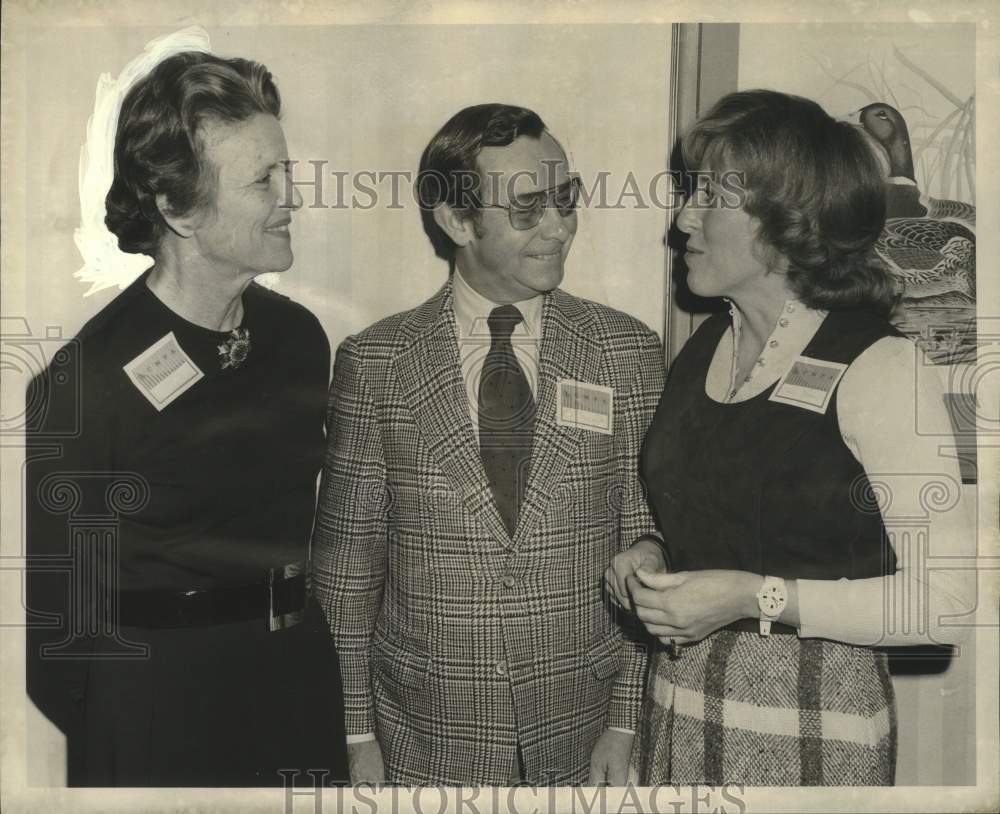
809, 384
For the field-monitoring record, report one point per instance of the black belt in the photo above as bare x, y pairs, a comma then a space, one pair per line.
278, 599
753, 626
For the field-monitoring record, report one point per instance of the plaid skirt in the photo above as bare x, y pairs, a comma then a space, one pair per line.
740, 708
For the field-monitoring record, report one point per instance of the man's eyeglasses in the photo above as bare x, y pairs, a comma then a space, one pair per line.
526, 211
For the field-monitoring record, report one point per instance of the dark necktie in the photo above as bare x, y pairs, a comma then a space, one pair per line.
506, 417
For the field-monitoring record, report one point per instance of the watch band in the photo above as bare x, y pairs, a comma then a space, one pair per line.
771, 600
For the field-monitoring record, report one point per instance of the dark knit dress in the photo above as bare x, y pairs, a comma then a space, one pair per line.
215, 489
769, 488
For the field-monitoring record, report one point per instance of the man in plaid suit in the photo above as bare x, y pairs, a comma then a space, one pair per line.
463, 583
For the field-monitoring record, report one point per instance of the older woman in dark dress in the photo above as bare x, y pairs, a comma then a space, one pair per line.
792, 433
173, 464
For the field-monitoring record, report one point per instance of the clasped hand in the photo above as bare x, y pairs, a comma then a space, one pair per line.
681, 607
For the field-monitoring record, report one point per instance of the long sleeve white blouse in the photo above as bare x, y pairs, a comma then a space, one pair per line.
892, 417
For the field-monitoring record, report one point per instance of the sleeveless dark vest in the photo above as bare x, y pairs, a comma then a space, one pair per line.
761, 486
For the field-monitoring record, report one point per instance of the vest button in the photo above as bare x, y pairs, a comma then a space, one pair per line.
501, 668
509, 581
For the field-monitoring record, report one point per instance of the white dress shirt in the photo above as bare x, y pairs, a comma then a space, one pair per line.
893, 419
472, 310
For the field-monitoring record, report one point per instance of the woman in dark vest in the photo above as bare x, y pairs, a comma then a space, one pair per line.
792, 433
172, 469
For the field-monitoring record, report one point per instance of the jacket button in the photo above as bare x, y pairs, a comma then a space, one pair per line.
509, 581
501, 668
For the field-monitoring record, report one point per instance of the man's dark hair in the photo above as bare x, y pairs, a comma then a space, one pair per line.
449, 171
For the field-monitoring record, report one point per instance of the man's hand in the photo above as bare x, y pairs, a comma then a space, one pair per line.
365, 762
609, 760
645, 553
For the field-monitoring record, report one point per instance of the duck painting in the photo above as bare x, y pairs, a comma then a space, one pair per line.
888, 129
929, 245
929, 257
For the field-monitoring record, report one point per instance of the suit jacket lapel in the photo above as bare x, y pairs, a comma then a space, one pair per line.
567, 352
430, 375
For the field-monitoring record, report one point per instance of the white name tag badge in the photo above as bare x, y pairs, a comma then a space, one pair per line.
809, 384
163, 372
586, 406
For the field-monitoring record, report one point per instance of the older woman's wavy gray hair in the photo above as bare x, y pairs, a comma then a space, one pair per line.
157, 144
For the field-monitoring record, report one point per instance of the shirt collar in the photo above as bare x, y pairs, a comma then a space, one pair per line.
790, 334
472, 310
794, 314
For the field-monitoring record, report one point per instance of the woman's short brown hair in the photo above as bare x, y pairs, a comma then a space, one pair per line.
813, 184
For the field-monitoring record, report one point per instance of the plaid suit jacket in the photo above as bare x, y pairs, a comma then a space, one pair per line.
457, 642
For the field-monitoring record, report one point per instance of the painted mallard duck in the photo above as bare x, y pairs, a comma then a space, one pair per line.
929, 257
887, 127
929, 244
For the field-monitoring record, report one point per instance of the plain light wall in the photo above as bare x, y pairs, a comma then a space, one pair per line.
368, 98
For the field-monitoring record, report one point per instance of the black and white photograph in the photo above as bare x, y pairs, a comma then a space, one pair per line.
499, 407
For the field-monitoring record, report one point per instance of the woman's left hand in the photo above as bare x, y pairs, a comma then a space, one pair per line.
686, 606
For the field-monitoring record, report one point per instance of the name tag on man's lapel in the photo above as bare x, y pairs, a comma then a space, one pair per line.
163, 371
586, 406
809, 384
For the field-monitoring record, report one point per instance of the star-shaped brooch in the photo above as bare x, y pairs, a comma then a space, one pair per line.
236, 349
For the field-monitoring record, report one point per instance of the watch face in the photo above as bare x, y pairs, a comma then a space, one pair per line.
771, 600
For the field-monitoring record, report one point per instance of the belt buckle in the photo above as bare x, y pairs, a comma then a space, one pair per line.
284, 620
